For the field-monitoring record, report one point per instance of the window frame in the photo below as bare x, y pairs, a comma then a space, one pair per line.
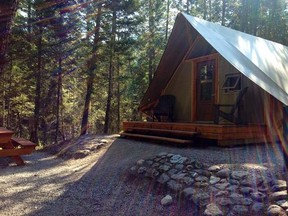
232, 88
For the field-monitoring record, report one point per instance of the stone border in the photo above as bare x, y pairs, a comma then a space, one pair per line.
216, 190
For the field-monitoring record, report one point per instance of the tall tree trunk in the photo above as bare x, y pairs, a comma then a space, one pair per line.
8, 101
205, 9
244, 16
111, 69
167, 20
87, 105
38, 75
8, 9
59, 99
2, 97
151, 49
29, 14
210, 10
187, 6
91, 74
223, 12
118, 96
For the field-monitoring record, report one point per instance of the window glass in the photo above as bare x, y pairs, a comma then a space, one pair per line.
232, 82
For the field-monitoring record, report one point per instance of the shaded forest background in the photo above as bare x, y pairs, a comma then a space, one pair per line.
79, 66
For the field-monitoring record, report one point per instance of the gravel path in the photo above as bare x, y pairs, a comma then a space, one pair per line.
100, 184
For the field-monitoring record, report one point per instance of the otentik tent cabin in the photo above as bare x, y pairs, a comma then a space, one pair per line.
225, 85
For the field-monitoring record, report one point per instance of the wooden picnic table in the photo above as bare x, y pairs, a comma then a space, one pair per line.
14, 147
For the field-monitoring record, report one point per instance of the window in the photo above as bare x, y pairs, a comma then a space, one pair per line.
232, 82
206, 81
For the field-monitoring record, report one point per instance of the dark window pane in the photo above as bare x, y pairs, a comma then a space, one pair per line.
206, 91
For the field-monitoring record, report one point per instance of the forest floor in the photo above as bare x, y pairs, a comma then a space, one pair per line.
91, 176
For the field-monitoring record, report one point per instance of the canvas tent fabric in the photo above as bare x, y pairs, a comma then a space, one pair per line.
264, 62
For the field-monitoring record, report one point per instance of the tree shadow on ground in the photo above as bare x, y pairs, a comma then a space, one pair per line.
107, 188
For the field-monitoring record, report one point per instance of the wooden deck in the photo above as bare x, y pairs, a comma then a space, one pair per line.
222, 134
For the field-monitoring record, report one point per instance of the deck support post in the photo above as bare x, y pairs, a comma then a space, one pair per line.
285, 141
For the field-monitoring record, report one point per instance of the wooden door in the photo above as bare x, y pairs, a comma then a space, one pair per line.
205, 90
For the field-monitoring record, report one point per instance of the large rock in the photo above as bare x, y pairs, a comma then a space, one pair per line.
283, 203
142, 170
214, 168
224, 201
246, 190
239, 174
201, 198
174, 186
187, 180
279, 195
280, 183
140, 162
179, 176
177, 159
167, 200
172, 171
276, 188
258, 208
214, 180
201, 179
161, 154
223, 173
201, 184
163, 178
164, 168
240, 210
212, 210
275, 210
151, 173
222, 193
232, 188
188, 192
221, 186
258, 196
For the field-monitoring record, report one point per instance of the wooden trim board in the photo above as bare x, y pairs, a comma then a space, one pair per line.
142, 136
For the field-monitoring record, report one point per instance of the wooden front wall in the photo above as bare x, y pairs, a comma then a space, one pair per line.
256, 102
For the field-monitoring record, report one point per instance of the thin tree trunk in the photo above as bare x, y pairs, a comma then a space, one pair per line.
223, 12
118, 96
91, 74
34, 135
210, 10
3, 93
29, 26
8, 101
111, 69
59, 99
87, 105
244, 16
167, 19
205, 9
8, 9
151, 49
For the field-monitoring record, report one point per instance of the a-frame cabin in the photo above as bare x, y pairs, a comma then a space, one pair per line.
207, 67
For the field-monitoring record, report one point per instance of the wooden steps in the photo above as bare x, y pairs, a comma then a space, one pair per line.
160, 138
166, 131
173, 136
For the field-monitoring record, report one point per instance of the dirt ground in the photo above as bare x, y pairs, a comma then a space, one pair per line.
100, 183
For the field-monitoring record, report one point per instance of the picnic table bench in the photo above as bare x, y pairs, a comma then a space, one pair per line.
14, 147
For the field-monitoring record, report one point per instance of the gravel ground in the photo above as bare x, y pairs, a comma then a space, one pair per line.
101, 184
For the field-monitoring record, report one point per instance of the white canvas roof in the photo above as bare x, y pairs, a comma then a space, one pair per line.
263, 62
